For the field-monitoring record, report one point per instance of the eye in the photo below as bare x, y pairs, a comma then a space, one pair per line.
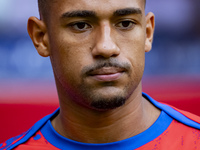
125, 25
80, 26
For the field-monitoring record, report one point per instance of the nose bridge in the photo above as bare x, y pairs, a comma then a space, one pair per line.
105, 40
105, 44
105, 33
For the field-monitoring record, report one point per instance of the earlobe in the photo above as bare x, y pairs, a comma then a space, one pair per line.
38, 33
150, 25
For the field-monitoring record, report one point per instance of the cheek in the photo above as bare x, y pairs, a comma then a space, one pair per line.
68, 59
133, 49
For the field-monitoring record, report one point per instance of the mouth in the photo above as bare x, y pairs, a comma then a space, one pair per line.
107, 74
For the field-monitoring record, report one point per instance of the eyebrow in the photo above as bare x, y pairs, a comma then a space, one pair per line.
87, 13
127, 11
79, 13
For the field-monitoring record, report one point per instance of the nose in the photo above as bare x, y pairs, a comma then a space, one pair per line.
104, 45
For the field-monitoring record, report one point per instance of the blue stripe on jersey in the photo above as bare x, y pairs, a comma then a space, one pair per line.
173, 113
134, 142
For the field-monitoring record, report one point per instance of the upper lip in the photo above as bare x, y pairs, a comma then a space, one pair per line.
106, 71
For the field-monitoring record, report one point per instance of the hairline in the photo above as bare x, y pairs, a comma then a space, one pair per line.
43, 5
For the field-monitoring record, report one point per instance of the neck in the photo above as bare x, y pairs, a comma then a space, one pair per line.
90, 126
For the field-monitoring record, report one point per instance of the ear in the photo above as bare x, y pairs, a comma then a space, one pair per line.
38, 32
150, 26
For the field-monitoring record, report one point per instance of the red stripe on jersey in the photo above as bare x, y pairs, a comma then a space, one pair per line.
177, 137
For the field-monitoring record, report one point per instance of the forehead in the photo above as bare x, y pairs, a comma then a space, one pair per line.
100, 7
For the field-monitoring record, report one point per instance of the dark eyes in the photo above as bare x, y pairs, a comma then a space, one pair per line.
83, 26
80, 26
125, 25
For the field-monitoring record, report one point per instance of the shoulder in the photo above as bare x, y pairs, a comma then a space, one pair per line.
183, 132
181, 116
11, 141
176, 136
37, 141
23, 138
188, 115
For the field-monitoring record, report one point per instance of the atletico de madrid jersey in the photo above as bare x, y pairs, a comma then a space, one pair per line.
173, 130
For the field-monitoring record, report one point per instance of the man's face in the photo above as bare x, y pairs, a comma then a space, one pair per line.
97, 49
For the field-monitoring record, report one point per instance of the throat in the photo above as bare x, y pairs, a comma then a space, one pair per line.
106, 127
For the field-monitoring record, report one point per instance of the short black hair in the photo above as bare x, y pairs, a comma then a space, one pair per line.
44, 5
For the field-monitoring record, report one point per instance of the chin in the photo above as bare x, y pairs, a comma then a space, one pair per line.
104, 104
106, 98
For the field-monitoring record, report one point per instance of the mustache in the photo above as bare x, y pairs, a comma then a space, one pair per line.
87, 70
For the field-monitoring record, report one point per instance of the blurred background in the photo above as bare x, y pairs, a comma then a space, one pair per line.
172, 70
176, 48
